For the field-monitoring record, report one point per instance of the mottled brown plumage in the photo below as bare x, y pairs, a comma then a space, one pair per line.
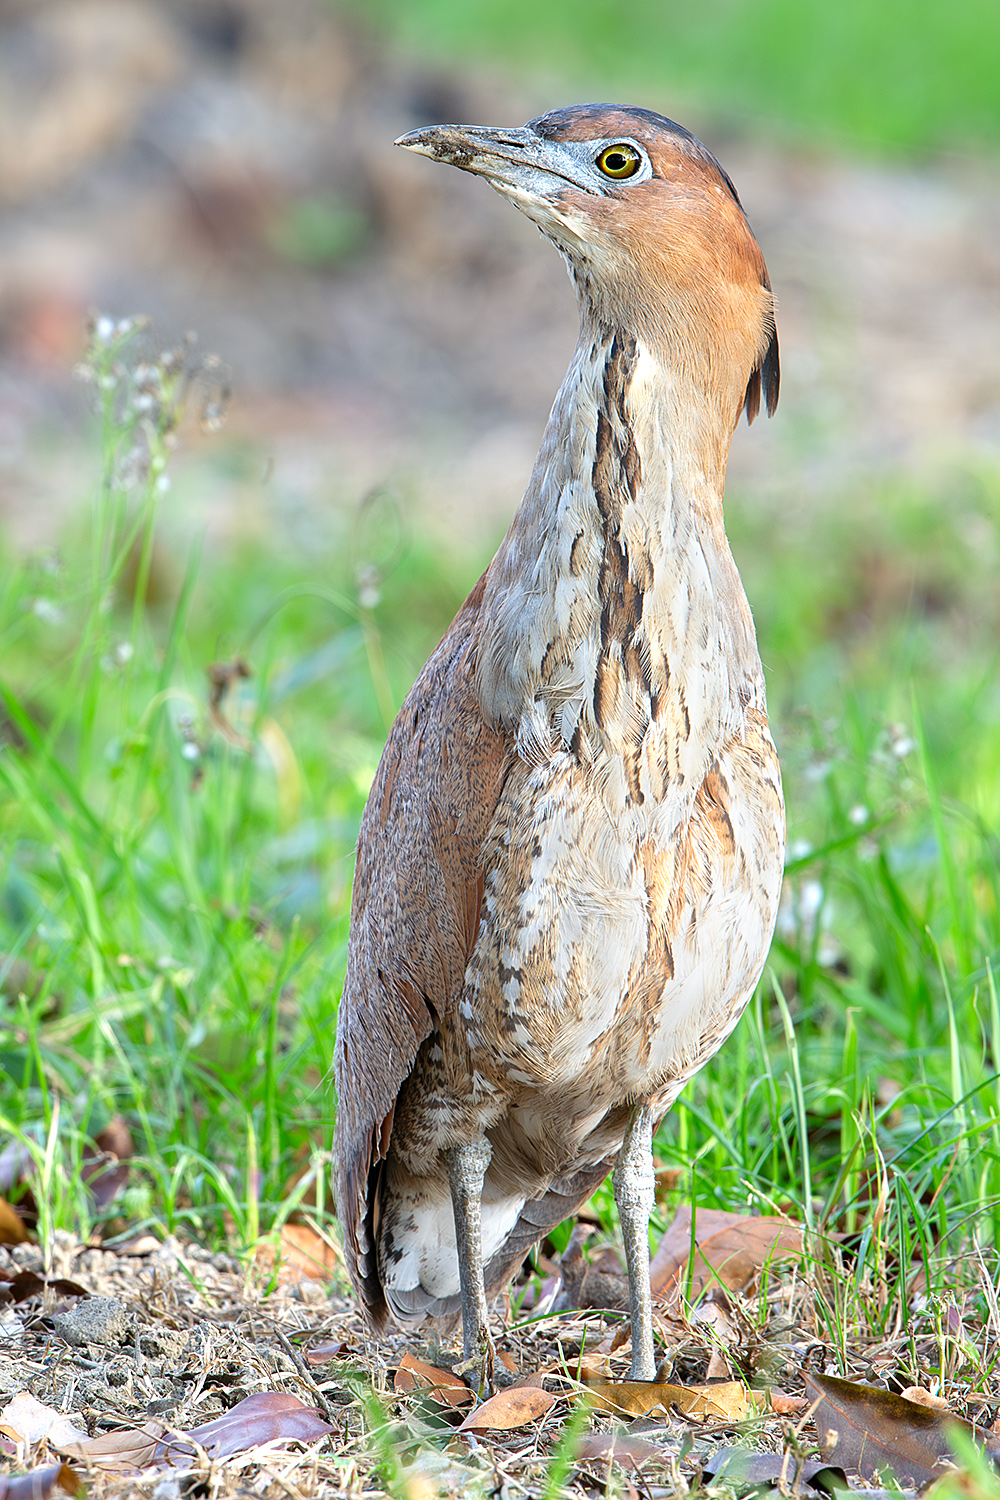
569, 864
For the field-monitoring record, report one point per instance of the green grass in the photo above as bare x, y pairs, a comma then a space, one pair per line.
886, 76
175, 873
175, 876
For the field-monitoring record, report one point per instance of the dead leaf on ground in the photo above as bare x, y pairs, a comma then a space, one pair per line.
105, 1169
514, 1407
784, 1404
264, 1417
865, 1430
630, 1452
744, 1466
731, 1250
324, 1350
924, 1398
302, 1253
24, 1284
121, 1451
726, 1400
32, 1421
413, 1375
40, 1483
13, 1230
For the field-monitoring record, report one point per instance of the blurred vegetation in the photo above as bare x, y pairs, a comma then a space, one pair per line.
895, 75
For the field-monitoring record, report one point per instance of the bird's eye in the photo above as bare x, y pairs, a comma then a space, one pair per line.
619, 161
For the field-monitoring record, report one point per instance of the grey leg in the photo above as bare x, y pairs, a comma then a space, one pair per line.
633, 1184
467, 1166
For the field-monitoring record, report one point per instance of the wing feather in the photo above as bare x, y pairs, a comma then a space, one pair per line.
414, 919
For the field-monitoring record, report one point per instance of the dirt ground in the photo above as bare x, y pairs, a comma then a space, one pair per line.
168, 159
170, 1371
163, 1338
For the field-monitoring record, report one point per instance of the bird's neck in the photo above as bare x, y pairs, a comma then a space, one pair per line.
613, 611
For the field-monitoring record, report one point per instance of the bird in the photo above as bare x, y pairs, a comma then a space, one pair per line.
569, 864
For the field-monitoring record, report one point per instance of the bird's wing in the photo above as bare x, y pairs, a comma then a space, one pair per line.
417, 897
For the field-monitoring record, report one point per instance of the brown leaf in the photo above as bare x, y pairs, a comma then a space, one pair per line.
125, 1450
116, 1139
324, 1350
637, 1398
784, 1404
302, 1255
104, 1169
924, 1398
718, 1367
740, 1467
630, 1452
514, 1407
12, 1227
865, 1429
667, 1180
731, 1249
413, 1374
40, 1483
24, 1284
32, 1421
264, 1417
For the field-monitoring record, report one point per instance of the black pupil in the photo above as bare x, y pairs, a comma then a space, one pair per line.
617, 161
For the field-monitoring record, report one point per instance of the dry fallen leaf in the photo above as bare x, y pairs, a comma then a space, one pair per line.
924, 1398
40, 1483
124, 1450
414, 1374
514, 1407
264, 1417
725, 1400
25, 1284
302, 1253
865, 1430
324, 1350
740, 1467
13, 1230
784, 1404
731, 1250
630, 1452
25, 1415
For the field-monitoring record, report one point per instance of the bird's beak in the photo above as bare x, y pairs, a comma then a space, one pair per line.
516, 162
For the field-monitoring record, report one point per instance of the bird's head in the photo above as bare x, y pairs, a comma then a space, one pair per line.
653, 232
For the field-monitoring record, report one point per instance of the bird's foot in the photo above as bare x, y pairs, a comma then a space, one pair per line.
483, 1372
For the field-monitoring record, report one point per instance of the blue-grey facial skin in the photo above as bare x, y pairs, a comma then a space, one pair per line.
520, 159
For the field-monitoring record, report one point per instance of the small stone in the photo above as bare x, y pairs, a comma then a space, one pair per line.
99, 1320
163, 1343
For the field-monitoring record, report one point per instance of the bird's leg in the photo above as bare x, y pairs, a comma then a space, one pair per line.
633, 1184
467, 1165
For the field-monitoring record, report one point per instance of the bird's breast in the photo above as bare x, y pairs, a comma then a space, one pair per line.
615, 953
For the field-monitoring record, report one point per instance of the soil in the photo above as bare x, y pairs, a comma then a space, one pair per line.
173, 1334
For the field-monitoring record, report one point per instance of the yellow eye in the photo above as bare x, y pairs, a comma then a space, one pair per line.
619, 161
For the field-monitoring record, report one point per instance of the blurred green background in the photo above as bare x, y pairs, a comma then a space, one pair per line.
884, 76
